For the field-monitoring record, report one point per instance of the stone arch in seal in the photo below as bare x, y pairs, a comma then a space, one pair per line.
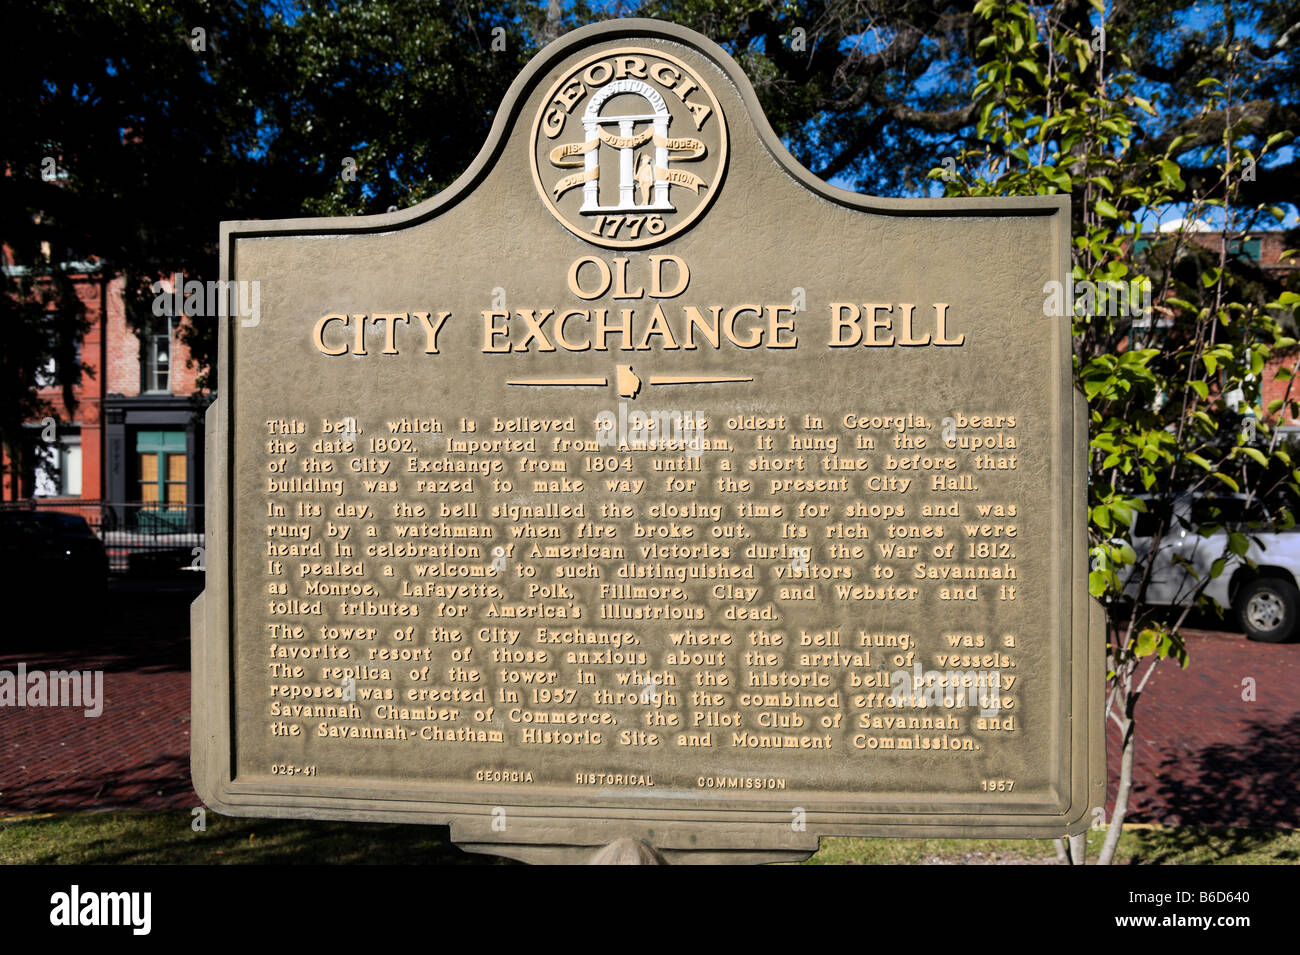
659, 117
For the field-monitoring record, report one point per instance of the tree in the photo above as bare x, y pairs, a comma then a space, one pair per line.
865, 93
873, 93
383, 104
147, 117
41, 321
162, 131
161, 119
1061, 113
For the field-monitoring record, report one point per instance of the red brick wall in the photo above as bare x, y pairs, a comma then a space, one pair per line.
1274, 389
1272, 245
87, 411
123, 346
1270, 256
111, 350
185, 373
124, 353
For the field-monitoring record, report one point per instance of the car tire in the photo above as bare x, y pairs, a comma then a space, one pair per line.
1268, 608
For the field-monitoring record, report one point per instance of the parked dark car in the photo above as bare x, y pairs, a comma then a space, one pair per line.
48, 552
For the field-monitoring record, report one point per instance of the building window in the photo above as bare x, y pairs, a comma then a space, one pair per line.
158, 354
58, 471
47, 376
1248, 249
161, 465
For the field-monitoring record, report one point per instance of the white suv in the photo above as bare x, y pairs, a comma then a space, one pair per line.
1265, 596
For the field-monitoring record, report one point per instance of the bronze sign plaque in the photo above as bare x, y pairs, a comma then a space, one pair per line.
642, 485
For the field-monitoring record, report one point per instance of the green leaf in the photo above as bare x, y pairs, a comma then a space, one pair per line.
1255, 454
1227, 480
1101, 516
1170, 174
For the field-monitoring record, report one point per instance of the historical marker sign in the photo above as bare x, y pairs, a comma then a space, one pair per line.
643, 485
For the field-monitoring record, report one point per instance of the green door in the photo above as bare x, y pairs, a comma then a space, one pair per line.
161, 464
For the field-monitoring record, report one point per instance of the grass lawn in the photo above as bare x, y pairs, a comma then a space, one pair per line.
166, 838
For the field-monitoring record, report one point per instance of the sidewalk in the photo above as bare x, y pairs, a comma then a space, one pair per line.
1206, 756
136, 754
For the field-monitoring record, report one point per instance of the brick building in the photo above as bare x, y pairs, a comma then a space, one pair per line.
1264, 251
133, 434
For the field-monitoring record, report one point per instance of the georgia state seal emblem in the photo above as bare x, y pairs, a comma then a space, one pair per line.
629, 148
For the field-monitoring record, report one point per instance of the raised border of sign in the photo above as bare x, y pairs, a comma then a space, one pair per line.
698, 830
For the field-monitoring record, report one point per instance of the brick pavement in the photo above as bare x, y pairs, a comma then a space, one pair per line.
1205, 755
136, 754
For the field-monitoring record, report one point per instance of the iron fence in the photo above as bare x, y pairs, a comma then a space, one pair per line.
139, 536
